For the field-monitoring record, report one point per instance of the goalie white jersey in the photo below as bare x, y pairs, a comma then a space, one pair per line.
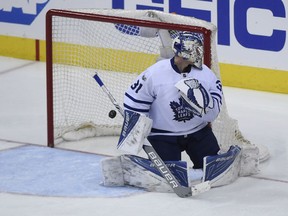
154, 94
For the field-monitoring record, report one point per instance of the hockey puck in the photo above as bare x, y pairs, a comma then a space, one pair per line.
112, 114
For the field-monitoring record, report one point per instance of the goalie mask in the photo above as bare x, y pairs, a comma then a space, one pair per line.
189, 46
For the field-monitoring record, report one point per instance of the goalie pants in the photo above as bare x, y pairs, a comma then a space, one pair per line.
197, 145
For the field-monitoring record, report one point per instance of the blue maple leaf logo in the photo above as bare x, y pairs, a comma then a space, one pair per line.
181, 113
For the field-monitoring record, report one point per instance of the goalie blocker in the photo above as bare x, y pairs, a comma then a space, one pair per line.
218, 170
135, 129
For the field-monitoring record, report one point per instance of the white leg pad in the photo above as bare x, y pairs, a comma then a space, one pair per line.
138, 176
222, 169
112, 171
229, 176
120, 171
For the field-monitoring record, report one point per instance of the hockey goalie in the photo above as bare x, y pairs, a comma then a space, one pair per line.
170, 106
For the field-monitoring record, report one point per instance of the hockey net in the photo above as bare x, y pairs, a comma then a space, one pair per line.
119, 45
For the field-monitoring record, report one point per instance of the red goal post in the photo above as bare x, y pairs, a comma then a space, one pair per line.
111, 42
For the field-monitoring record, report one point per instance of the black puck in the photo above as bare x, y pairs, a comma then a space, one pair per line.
112, 114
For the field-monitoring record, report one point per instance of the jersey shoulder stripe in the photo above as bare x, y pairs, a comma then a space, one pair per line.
137, 101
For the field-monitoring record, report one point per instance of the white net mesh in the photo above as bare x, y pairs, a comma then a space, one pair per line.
82, 44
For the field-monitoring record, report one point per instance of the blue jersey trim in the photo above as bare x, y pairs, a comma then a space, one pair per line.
216, 96
137, 101
136, 109
155, 130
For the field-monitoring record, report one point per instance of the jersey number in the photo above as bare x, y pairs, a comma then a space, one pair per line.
136, 86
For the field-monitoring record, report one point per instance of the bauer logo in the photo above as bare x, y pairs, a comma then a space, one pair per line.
21, 12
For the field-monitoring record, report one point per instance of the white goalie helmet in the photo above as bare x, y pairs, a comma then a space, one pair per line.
189, 46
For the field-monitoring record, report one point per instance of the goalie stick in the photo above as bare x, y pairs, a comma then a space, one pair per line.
180, 190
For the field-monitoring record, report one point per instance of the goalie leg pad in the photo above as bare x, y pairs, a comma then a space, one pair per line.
112, 171
138, 176
222, 169
140, 172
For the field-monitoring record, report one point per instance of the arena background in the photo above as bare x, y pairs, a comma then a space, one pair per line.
251, 38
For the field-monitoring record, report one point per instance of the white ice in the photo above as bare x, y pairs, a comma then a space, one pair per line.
262, 118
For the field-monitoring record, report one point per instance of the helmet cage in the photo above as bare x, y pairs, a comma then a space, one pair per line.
189, 46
